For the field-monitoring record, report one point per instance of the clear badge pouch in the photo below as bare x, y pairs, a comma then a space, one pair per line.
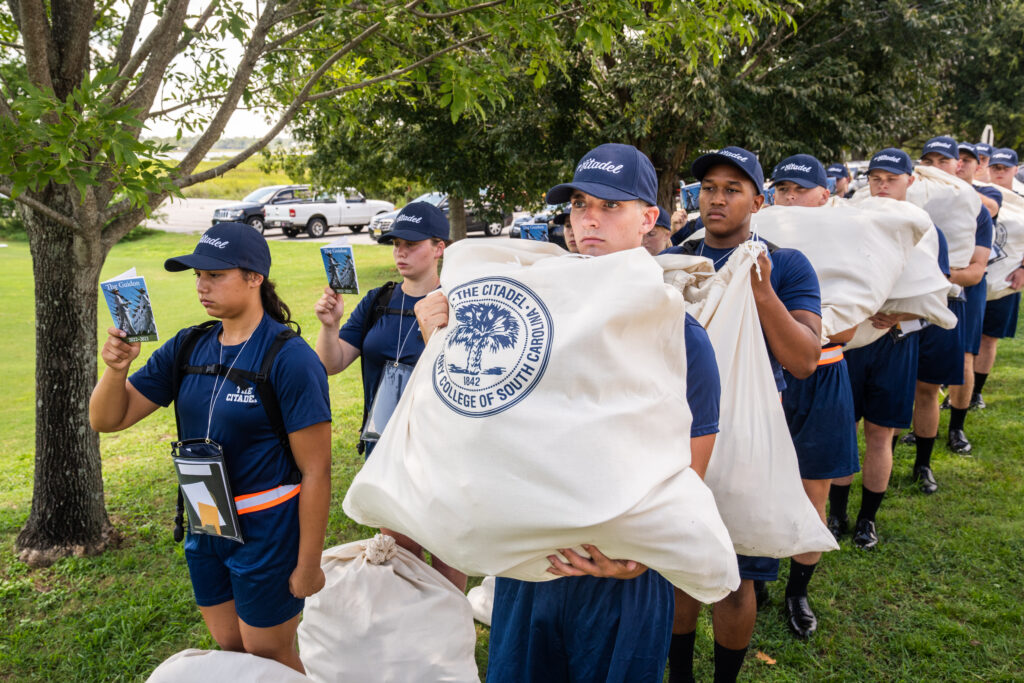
389, 391
203, 478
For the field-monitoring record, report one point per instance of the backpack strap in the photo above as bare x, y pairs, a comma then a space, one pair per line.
690, 247
378, 310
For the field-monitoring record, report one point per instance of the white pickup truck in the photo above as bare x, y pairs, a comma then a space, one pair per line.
317, 216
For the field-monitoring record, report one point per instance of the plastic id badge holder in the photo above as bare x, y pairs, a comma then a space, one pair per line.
389, 392
202, 476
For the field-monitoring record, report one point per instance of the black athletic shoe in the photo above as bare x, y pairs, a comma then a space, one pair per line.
838, 527
945, 404
908, 439
864, 536
923, 475
977, 402
958, 442
799, 616
761, 594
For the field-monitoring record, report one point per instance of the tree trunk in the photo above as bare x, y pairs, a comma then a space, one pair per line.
668, 185
68, 515
456, 217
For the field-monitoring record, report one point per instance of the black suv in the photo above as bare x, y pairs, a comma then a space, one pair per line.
381, 223
250, 209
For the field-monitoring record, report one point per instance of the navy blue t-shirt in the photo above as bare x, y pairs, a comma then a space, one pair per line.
391, 334
703, 384
255, 459
983, 231
793, 280
990, 192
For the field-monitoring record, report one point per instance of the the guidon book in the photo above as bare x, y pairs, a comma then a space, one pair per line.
128, 300
340, 266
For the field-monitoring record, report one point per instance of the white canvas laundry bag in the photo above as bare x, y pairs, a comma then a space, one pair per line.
953, 205
481, 600
550, 412
386, 616
858, 251
216, 666
753, 470
1007, 244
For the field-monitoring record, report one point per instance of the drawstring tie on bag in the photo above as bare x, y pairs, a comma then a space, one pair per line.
380, 549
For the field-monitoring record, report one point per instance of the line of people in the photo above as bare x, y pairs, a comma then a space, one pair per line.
607, 618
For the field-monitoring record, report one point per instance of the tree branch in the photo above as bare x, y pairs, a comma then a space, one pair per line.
39, 207
456, 12
195, 100
35, 31
12, 45
163, 52
159, 35
130, 33
270, 47
197, 27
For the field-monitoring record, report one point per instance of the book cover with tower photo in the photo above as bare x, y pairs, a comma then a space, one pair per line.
340, 267
130, 308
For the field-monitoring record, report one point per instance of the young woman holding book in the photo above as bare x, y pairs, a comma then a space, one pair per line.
253, 456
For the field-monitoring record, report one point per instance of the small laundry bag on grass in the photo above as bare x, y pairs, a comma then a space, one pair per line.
550, 412
1007, 245
386, 616
481, 599
753, 470
858, 251
216, 666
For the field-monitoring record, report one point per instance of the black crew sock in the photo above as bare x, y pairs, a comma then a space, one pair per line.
869, 504
838, 499
799, 576
979, 382
956, 418
924, 451
728, 663
680, 657
895, 440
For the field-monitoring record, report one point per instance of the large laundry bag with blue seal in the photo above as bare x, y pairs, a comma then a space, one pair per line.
549, 413
1007, 244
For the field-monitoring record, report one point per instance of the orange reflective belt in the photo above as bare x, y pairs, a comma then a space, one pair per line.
831, 354
253, 502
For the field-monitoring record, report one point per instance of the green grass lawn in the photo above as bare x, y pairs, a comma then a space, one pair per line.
941, 599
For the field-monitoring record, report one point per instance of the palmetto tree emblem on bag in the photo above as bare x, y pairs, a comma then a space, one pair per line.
497, 349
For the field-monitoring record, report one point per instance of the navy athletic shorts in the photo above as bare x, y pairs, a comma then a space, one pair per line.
758, 568
819, 412
940, 357
1001, 317
882, 377
580, 628
975, 315
254, 574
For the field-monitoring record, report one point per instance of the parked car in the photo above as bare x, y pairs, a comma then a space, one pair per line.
553, 216
250, 209
317, 216
382, 223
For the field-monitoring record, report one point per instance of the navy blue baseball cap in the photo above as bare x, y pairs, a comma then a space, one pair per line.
802, 169
416, 222
970, 149
984, 149
944, 145
837, 171
611, 171
733, 156
892, 160
664, 219
226, 246
1004, 156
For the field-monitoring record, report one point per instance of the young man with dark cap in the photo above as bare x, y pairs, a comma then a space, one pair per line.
1000, 319
607, 620
943, 153
659, 238
984, 154
788, 303
819, 409
842, 176
939, 350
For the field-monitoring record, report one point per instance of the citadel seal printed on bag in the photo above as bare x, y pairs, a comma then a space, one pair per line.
497, 350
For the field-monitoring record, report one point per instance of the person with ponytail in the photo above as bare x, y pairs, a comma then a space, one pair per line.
253, 455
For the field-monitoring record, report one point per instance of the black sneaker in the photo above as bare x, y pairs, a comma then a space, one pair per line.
908, 439
945, 404
864, 536
799, 616
977, 402
838, 526
958, 442
923, 475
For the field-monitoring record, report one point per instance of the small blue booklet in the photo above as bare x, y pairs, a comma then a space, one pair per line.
128, 301
690, 195
534, 231
340, 266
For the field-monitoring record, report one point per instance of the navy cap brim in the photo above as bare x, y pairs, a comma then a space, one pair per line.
972, 152
802, 182
941, 152
559, 194
890, 169
700, 167
403, 234
197, 262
